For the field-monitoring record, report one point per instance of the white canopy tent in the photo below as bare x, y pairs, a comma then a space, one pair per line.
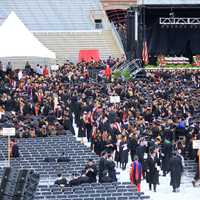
17, 41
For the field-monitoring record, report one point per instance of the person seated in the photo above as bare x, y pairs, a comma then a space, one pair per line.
109, 174
102, 166
88, 175
61, 181
91, 171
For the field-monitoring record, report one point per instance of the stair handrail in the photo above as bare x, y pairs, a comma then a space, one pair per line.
125, 65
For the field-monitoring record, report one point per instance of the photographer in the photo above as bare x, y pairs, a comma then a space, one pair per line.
90, 171
88, 175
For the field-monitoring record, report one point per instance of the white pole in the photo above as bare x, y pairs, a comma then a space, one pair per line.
136, 25
8, 151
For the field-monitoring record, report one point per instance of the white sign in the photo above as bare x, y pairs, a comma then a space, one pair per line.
54, 67
196, 144
114, 99
8, 131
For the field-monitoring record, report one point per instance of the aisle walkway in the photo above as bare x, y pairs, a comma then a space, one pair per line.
164, 190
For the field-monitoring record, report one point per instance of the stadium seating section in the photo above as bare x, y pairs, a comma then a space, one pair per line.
67, 45
106, 191
33, 152
119, 4
54, 15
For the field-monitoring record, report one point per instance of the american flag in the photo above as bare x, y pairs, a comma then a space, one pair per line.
145, 56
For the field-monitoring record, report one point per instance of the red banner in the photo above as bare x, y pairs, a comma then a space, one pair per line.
89, 55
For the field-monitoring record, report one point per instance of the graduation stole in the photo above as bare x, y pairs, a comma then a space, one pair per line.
137, 169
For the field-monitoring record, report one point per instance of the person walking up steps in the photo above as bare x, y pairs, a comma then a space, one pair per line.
136, 173
152, 170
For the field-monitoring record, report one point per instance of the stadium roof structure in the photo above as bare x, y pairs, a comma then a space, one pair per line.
17, 41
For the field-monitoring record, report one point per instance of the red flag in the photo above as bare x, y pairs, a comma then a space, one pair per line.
145, 56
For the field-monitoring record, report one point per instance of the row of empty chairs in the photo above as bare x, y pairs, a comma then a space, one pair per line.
34, 151
32, 154
95, 191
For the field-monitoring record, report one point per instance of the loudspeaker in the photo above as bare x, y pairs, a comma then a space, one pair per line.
130, 30
21, 183
4, 181
18, 185
9, 183
31, 186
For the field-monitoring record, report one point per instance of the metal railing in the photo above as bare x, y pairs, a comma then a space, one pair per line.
117, 36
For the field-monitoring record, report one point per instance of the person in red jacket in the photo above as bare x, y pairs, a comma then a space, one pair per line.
136, 173
108, 72
45, 71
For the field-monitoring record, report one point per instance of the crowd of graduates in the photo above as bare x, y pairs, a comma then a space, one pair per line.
155, 116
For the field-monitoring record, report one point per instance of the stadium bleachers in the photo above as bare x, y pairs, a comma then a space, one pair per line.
54, 15
95, 191
68, 44
118, 4
65, 27
33, 152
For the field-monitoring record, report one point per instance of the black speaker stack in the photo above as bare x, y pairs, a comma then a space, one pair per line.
130, 30
18, 184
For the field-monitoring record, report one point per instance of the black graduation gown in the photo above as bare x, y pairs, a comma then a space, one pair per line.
140, 150
152, 175
111, 117
81, 129
167, 151
62, 181
92, 175
102, 168
176, 170
110, 165
132, 144
117, 153
123, 150
15, 151
97, 146
67, 124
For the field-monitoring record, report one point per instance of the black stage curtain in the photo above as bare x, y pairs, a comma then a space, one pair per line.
172, 40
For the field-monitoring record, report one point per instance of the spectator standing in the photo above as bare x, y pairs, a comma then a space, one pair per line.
45, 71
14, 149
9, 67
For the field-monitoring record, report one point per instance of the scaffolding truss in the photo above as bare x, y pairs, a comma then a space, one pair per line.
179, 21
